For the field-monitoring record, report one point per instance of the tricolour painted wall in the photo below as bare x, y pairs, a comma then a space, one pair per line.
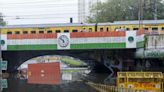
63, 41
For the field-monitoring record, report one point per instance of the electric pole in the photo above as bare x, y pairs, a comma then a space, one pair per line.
155, 10
140, 13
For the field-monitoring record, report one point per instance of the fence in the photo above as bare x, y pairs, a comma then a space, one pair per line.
107, 88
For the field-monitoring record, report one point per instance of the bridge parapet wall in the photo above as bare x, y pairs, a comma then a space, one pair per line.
155, 42
154, 47
79, 40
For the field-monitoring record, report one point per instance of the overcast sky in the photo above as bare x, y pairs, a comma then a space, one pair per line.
38, 11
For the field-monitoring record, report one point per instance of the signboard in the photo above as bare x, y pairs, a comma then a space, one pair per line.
4, 83
150, 53
155, 53
3, 65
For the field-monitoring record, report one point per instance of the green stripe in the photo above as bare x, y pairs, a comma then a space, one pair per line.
31, 47
73, 46
98, 46
140, 44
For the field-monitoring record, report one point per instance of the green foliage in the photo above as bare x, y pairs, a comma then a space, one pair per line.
71, 62
117, 10
2, 23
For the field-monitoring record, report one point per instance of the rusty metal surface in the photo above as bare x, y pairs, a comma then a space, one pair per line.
44, 73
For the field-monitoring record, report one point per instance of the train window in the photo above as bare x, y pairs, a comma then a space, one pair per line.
101, 29
33, 32
84, 30
135, 28
74, 31
154, 28
49, 31
90, 29
146, 28
66, 31
57, 31
41, 32
127, 29
25, 32
17, 32
107, 29
9, 32
162, 28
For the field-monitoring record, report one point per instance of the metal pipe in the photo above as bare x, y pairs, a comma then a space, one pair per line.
0, 58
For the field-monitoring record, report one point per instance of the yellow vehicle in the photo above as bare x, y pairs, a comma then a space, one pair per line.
149, 81
150, 27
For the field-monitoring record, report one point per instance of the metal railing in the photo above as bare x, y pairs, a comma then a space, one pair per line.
107, 88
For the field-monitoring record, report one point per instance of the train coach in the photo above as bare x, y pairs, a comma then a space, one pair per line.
150, 27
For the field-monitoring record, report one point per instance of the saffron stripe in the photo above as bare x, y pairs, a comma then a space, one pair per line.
97, 34
72, 35
31, 36
140, 32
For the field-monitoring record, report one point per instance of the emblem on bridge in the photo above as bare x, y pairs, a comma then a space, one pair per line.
63, 41
3, 42
131, 39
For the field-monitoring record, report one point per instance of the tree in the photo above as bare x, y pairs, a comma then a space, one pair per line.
2, 22
116, 10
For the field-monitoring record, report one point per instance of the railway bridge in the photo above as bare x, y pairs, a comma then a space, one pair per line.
119, 50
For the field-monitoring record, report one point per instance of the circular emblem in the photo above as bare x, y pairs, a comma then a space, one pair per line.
131, 39
63, 41
2, 42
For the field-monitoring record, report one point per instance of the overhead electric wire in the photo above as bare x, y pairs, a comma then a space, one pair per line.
41, 18
40, 6
40, 14
42, 1
44, 14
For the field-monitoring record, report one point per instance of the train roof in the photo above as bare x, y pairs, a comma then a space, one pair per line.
104, 24
137, 22
133, 22
46, 25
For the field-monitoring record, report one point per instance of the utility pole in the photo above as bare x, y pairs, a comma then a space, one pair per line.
140, 13
155, 9
0, 57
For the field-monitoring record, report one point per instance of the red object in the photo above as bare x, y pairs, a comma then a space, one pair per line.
44, 73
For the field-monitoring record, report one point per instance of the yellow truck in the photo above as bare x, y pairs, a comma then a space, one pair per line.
148, 81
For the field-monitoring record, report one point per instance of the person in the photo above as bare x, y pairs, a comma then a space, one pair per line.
84, 30
90, 29
118, 29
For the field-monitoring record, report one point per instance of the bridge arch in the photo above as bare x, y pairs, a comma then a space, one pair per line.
16, 58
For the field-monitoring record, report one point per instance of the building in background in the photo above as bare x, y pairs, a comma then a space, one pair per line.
84, 8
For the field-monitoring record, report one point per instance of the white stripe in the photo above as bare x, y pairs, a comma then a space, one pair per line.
140, 38
72, 41
32, 42
98, 40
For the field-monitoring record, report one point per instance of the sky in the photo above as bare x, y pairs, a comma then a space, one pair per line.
38, 11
